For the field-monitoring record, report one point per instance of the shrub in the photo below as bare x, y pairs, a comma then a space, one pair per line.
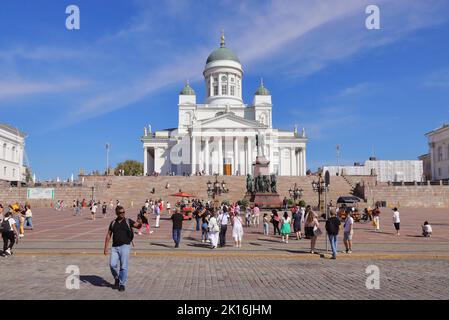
302, 203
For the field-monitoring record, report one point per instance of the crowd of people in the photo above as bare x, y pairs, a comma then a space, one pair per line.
14, 220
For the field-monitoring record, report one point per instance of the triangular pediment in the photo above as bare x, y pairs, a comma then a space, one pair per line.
229, 121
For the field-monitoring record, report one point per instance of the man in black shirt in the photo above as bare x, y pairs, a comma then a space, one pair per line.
177, 218
122, 235
332, 228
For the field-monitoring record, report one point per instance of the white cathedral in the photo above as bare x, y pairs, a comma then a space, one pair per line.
219, 136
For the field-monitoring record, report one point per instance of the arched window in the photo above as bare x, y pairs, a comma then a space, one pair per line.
13, 154
4, 151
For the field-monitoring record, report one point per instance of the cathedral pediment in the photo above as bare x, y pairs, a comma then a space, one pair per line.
228, 121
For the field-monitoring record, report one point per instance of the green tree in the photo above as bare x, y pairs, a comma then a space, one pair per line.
28, 174
130, 168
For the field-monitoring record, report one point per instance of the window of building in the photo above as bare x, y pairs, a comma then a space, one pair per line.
13, 154
224, 89
13, 173
215, 78
440, 153
4, 171
232, 91
439, 172
4, 151
216, 90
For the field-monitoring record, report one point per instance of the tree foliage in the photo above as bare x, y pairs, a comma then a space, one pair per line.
130, 168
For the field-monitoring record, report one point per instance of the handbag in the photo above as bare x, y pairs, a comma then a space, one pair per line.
317, 231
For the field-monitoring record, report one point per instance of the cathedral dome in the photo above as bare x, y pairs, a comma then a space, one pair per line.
187, 91
262, 91
222, 54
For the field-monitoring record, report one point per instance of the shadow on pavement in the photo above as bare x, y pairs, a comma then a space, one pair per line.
200, 245
160, 245
270, 240
96, 281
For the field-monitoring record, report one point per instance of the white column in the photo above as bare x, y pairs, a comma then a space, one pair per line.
193, 155
236, 155
303, 162
298, 163
250, 156
145, 161
206, 156
292, 161
242, 159
280, 161
220, 156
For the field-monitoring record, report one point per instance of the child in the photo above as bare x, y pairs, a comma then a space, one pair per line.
248, 217
426, 229
266, 225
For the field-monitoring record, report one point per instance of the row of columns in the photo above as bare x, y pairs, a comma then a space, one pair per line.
241, 161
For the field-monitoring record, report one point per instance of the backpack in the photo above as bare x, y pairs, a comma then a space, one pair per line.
5, 226
131, 232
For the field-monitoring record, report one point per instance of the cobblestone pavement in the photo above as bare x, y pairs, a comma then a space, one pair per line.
61, 231
224, 278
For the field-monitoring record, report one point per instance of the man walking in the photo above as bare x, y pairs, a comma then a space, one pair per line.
223, 221
332, 228
122, 235
348, 232
177, 219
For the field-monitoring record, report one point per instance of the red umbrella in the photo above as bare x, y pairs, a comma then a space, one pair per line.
183, 194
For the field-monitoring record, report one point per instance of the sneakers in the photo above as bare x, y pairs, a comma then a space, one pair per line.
8, 252
334, 258
151, 231
140, 233
348, 251
121, 288
21, 235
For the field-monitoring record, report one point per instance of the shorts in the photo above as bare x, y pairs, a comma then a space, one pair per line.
347, 236
397, 226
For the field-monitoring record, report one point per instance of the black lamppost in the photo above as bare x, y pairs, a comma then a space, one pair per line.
319, 187
296, 193
216, 188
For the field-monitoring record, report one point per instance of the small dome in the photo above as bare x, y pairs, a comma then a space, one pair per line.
187, 91
262, 91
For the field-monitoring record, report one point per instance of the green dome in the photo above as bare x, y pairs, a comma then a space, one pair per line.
187, 91
222, 54
262, 91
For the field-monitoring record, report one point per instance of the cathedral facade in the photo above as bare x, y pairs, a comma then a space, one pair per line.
219, 136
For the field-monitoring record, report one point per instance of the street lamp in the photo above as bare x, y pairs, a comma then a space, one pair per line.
319, 187
216, 188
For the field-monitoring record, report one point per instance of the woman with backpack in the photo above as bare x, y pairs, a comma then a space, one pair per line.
9, 233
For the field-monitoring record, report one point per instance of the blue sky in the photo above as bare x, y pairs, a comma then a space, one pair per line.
73, 91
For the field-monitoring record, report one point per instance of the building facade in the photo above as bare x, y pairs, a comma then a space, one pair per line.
439, 152
12, 148
427, 166
223, 136
385, 170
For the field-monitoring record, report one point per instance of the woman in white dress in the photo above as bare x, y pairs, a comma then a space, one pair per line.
214, 230
237, 230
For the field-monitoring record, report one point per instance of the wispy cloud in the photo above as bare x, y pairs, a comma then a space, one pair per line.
438, 78
288, 37
18, 88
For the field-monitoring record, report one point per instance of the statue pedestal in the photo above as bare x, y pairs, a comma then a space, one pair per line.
265, 200
262, 166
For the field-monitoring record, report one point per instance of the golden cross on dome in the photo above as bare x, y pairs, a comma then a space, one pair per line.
222, 41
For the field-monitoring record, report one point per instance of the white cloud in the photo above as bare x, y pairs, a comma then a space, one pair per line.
18, 88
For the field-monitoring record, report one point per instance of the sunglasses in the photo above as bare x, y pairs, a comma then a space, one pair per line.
121, 212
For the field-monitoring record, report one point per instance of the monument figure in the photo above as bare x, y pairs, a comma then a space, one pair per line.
249, 183
273, 183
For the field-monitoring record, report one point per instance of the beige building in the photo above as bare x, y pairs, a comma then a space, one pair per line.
439, 152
